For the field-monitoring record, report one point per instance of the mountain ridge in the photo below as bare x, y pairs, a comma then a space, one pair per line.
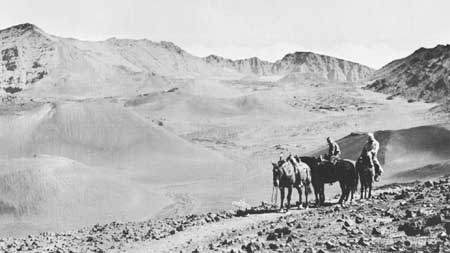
76, 67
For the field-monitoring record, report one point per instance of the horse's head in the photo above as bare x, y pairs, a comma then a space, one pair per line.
289, 158
276, 173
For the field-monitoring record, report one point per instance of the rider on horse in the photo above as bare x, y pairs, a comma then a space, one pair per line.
333, 153
333, 149
371, 148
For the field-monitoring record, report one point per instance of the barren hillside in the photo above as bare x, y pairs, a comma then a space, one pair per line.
425, 74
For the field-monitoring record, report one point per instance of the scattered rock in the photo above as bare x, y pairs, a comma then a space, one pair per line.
410, 214
359, 219
272, 236
443, 235
428, 183
376, 231
363, 242
412, 228
273, 246
434, 220
252, 247
347, 223
393, 249
330, 245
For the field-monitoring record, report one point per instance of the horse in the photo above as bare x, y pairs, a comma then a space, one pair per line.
285, 175
313, 162
323, 172
366, 173
302, 179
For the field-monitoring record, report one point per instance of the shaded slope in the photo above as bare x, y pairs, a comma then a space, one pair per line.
425, 74
426, 172
401, 150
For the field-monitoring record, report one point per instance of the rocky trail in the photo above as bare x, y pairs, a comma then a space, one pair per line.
412, 217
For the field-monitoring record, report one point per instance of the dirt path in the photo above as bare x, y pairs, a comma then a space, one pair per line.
400, 218
198, 238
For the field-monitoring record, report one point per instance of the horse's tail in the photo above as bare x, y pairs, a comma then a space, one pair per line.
308, 181
354, 185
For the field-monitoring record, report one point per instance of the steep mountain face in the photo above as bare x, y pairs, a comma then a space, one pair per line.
26, 54
299, 63
330, 68
251, 65
425, 74
74, 68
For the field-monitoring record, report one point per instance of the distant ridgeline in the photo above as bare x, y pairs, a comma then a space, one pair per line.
28, 56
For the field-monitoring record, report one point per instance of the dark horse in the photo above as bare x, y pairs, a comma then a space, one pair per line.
324, 172
366, 174
288, 175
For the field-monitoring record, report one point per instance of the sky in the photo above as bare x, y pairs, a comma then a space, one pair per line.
369, 32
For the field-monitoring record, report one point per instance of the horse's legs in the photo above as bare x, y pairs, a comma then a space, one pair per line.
281, 197
342, 192
351, 197
362, 189
322, 194
289, 197
347, 193
370, 191
306, 196
299, 190
316, 193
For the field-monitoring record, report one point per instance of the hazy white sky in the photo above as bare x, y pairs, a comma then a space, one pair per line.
370, 32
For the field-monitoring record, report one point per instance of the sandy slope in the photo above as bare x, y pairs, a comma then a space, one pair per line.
112, 160
50, 193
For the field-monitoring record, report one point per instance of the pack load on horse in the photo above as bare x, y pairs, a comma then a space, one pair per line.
291, 174
300, 172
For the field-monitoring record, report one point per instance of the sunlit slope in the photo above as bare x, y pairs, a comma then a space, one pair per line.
55, 193
106, 134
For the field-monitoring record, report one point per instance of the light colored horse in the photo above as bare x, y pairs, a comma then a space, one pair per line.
289, 174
